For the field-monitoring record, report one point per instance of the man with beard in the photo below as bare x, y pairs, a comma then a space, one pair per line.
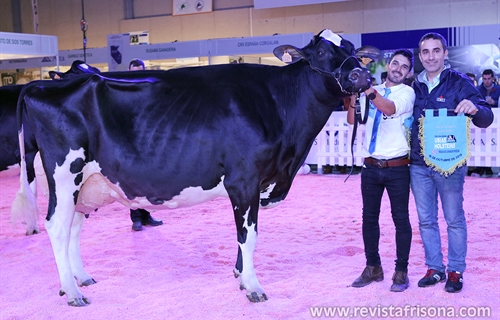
385, 167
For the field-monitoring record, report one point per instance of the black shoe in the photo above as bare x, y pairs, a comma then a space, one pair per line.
400, 281
431, 278
152, 222
369, 274
455, 282
137, 226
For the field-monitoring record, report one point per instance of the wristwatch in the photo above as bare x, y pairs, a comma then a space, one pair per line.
372, 95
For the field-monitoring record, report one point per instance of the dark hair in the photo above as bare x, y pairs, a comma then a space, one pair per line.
471, 75
488, 71
136, 63
405, 53
435, 36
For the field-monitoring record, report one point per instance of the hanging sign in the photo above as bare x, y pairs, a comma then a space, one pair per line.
181, 7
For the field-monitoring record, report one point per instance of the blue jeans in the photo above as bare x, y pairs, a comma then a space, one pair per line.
396, 180
426, 184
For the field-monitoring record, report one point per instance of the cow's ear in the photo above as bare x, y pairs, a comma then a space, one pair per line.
348, 46
368, 52
55, 75
288, 54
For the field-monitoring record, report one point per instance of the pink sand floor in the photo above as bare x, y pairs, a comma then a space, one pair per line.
308, 252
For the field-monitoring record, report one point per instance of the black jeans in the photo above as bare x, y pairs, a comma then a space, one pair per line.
396, 180
139, 215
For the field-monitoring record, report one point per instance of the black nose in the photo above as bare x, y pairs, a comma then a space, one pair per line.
360, 79
359, 76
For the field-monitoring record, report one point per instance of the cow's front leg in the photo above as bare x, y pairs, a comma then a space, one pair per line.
59, 229
246, 226
64, 189
75, 257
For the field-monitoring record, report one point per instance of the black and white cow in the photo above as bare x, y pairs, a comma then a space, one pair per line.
9, 141
246, 128
9, 148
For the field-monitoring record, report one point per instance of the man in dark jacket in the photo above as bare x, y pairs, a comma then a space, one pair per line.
489, 89
141, 217
440, 88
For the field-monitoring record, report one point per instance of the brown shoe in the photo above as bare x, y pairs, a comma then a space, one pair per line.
400, 281
369, 275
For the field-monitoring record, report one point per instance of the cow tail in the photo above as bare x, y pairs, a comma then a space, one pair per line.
24, 208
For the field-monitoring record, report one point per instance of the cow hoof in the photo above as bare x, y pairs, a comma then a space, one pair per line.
31, 232
88, 282
79, 302
255, 297
236, 273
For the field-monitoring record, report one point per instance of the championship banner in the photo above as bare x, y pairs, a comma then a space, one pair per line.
445, 140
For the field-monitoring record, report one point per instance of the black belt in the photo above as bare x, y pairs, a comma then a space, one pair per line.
381, 163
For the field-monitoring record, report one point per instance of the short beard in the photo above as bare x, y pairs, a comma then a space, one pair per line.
391, 79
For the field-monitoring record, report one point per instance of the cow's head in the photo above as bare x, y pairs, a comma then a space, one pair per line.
332, 56
77, 67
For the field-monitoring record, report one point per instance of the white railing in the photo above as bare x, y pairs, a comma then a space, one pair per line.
333, 144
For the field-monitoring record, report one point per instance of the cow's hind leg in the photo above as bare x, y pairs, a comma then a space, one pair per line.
32, 225
246, 225
32, 221
75, 257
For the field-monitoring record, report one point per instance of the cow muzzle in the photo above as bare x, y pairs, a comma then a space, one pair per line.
360, 79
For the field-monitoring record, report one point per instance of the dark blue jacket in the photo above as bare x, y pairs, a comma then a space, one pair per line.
494, 93
453, 87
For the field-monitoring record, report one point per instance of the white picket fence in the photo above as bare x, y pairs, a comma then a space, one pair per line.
333, 144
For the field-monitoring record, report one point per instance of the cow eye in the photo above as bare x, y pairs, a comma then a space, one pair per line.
321, 52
